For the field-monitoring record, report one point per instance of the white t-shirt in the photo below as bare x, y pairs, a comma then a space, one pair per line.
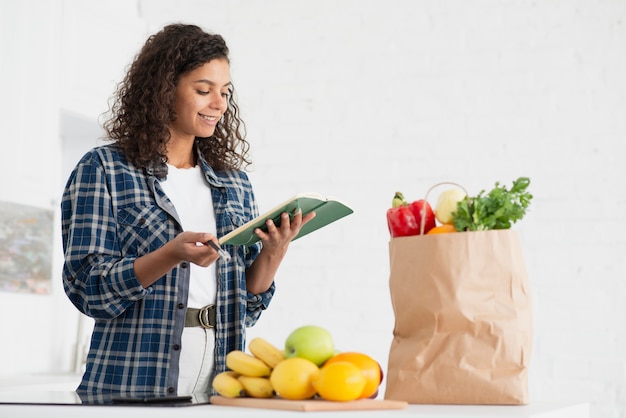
191, 196
188, 191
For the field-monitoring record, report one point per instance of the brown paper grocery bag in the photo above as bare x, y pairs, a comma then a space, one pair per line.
463, 325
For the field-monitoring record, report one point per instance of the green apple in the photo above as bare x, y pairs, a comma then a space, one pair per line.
310, 342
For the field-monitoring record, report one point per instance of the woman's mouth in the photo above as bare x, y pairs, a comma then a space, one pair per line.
210, 119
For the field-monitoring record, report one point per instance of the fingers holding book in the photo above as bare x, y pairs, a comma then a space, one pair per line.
287, 229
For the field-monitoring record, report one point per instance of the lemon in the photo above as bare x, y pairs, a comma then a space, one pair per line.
340, 381
293, 378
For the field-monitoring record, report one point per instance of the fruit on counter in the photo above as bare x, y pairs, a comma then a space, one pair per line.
257, 387
228, 385
498, 209
247, 364
266, 351
339, 381
310, 342
370, 368
268, 372
293, 378
442, 229
447, 204
405, 219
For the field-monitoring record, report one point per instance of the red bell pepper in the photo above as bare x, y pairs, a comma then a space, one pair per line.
404, 219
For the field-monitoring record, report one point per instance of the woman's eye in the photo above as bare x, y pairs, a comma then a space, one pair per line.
203, 93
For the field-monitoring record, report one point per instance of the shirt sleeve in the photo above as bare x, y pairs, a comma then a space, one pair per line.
98, 280
256, 303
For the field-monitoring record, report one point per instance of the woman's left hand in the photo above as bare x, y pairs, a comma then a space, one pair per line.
277, 238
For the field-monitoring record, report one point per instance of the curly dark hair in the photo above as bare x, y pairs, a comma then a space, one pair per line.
142, 108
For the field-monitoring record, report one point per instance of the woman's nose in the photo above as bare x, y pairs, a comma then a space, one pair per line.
219, 101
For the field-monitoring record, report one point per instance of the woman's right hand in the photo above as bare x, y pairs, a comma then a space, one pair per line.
193, 247
187, 246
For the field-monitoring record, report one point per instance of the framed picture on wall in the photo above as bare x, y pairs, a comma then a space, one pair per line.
25, 248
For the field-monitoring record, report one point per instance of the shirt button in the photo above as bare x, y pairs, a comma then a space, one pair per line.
184, 264
176, 347
142, 221
171, 390
181, 305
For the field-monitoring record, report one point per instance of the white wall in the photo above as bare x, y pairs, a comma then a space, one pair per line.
29, 164
359, 99
60, 62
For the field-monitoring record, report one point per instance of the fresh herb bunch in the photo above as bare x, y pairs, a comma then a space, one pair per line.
499, 209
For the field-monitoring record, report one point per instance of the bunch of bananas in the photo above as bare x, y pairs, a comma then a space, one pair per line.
249, 373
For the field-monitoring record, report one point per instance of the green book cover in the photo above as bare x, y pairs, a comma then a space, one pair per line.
327, 210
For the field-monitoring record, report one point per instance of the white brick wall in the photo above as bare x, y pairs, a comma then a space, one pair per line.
359, 99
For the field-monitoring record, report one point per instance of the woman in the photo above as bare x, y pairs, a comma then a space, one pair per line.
137, 215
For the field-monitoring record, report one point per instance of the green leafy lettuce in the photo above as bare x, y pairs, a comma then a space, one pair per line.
498, 209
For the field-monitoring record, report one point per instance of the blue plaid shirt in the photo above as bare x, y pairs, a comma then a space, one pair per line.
113, 212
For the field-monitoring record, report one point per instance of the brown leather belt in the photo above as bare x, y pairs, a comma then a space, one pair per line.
203, 317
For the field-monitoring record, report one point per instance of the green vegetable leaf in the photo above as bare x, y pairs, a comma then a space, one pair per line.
498, 209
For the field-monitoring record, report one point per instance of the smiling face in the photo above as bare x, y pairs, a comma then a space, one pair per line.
201, 100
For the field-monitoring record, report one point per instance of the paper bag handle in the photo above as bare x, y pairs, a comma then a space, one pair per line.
423, 222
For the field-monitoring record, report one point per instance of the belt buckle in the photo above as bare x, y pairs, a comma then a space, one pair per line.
204, 316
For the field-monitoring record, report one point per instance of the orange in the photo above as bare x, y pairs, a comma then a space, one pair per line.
339, 381
442, 229
370, 368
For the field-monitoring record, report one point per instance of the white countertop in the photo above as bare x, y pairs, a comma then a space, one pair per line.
60, 389
533, 410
